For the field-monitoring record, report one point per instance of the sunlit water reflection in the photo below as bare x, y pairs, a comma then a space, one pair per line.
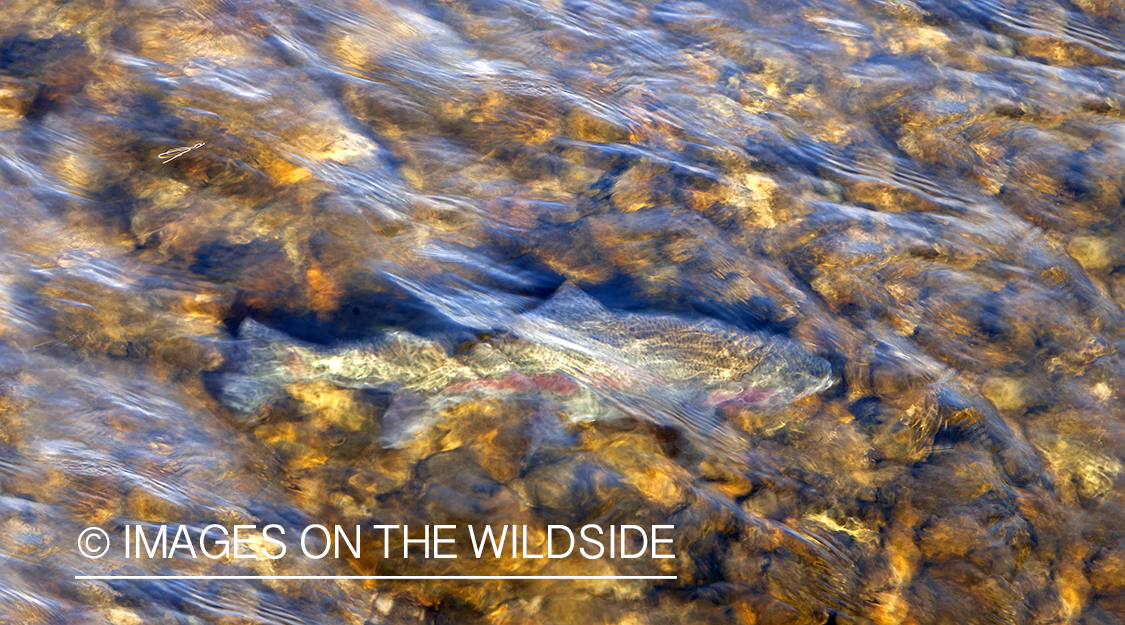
924, 197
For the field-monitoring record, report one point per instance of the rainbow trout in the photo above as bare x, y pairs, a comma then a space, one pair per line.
664, 369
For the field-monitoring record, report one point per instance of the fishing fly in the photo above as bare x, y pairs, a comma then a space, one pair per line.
172, 155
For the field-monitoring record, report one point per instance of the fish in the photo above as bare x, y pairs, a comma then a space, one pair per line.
672, 371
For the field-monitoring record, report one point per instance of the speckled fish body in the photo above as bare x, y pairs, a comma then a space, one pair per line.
730, 364
665, 369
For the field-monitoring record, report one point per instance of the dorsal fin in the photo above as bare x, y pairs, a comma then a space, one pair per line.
461, 300
572, 306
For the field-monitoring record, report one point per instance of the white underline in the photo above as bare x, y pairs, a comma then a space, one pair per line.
376, 577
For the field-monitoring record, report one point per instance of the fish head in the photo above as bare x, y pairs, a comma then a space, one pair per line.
779, 372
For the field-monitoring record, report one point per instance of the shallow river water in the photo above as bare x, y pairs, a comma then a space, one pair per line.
511, 265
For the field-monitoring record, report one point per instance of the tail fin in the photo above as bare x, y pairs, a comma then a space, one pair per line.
261, 371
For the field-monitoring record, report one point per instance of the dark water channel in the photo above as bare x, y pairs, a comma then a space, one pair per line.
513, 264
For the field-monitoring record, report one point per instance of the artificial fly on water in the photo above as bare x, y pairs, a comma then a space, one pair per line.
172, 155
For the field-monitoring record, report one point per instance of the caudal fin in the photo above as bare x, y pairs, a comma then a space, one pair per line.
260, 372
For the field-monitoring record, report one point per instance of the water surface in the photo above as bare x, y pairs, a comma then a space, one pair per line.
928, 195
